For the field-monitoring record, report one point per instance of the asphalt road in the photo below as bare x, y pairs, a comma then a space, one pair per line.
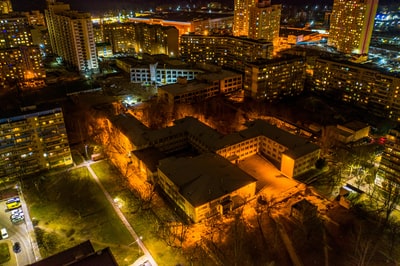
16, 233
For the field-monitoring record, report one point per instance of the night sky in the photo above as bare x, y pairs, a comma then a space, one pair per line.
95, 5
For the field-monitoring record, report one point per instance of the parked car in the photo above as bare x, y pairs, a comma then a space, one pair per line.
17, 247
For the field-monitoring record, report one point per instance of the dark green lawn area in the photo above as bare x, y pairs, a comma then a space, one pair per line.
144, 222
68, 208
4, 253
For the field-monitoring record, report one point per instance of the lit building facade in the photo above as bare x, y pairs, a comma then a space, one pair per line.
264, 22
151, 151
241, 17
156, 70
226, 51
257, 19
15, 31
389, 167
71, 37
276, 78
205, 86
359, 84
20, 59
205, 185
351, 25
5, 7
33, 141
186, 22
104, 50
121, 36
132, 38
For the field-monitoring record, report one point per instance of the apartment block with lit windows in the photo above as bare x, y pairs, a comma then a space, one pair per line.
20, 59
226, 51
241, 17
121, 36
351, 25
33, 140
275, 78
389, 167
359, 84
257, 20
72, 37
264, 22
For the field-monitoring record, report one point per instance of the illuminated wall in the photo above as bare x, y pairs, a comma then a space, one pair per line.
359, 84
33, 141
226, 51
351, 25
389, 167
72, 37
274, 79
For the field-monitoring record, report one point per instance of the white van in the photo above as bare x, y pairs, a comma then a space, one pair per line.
4, 233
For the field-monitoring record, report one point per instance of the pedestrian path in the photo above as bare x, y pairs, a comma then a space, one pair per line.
121, 216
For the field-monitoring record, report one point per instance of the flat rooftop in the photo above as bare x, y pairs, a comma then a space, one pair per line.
204, 178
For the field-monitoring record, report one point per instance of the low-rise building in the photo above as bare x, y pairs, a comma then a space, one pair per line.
205, 185
303, 210
352, 131
205, 85
151, 151
157, 70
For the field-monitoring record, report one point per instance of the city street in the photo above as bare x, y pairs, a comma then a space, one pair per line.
17, 233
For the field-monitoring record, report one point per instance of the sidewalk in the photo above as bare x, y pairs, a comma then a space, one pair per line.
121, 216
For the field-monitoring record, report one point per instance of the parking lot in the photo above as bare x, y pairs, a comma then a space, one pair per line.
13, 214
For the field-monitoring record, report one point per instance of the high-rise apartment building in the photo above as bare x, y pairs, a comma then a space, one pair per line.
264, 21
5, 7
32, 141
257, 19
71, 36
351, 25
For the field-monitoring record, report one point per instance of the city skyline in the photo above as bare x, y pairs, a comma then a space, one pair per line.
95, 5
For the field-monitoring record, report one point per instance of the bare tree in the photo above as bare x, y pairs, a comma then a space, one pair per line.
390, 197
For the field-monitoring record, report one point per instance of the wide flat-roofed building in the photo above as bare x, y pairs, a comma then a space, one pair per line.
205, 85
360, 84
151, 149
80, 255
352, 131
185, 22
157, 69
226, 51
205, 185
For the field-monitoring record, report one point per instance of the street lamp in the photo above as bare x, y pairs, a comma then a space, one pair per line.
137, 241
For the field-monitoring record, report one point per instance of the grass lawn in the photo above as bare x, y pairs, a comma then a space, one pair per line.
68, 208
4, 253
144, 222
